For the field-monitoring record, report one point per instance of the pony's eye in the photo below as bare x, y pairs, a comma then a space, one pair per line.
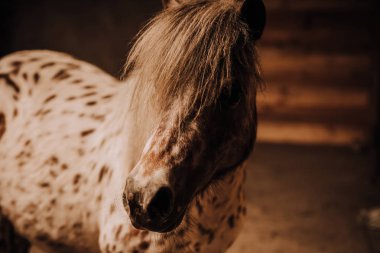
231, 96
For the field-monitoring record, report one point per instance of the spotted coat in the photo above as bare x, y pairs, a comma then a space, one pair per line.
60, 183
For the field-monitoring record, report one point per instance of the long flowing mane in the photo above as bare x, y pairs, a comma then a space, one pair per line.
193, 51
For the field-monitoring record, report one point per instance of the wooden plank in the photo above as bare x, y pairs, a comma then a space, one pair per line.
319, 40
312, 19
331, 70
286, 5
312, 97
324, 80
350, 116
339, 31
306, 133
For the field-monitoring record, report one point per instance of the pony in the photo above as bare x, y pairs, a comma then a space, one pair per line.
150, 163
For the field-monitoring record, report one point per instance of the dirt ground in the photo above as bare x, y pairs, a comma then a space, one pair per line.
306, 200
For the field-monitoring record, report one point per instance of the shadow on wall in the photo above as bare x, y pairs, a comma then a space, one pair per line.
97, 31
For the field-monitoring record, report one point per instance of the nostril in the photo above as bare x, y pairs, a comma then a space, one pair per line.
161, 204
133, 204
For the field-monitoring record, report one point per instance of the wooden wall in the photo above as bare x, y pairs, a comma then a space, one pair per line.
316, 59
316, 56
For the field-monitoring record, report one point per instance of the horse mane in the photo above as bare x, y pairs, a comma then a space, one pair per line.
192, 52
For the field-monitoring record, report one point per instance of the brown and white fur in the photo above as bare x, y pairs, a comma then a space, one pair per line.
153, 163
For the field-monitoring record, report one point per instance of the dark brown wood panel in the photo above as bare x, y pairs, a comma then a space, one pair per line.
317, 64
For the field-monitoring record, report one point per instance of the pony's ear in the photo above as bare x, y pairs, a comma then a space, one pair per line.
254, 14
171, 3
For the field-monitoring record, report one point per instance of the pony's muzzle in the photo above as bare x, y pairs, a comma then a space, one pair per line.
149, 208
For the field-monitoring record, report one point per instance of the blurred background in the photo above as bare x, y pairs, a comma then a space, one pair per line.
313, 178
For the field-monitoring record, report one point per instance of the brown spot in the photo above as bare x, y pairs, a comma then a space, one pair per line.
16, 64
61, 75
64, 166
91, 103
99, 198
54, 159
197, 247
181, 246
10, 82
44, 184
71, 98
52, 202
87, 87
112, 208
48, 64
53, 173
134, 232
16, 67
80, 151
27, 142
2, 124
207, 232
102, 172
88, 94
87, 132
36, 77
34, 59
72, 66
107, 96
77, 81
49, 98
231, 221
27, 225
76, 179
181, 232
144, 245
98, 117
161, 242
30, 208
77, 225
20, 155
25, 76
118, 230
42, 112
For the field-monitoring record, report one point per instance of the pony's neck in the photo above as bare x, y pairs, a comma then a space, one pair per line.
126, 129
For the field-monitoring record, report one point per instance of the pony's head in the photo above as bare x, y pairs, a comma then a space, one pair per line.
196, 66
